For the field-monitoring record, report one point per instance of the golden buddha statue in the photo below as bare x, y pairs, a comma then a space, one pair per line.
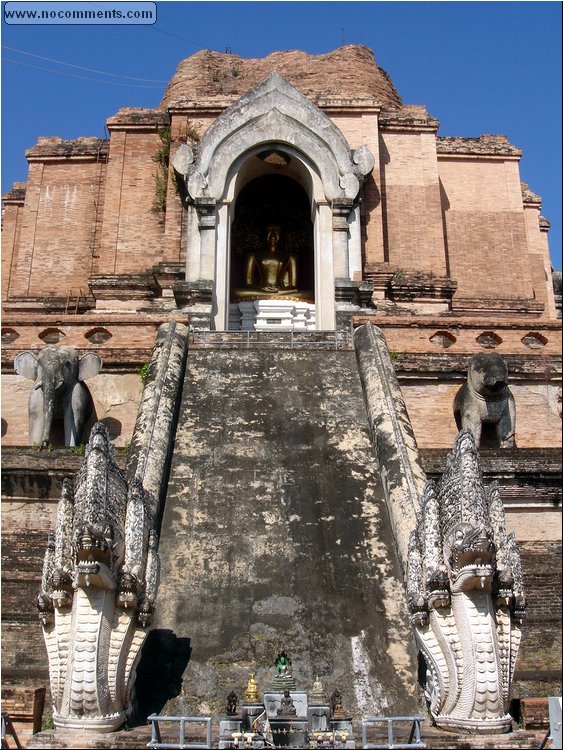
251, 694
270, 272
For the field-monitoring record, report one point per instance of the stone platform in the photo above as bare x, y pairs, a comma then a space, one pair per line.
138, 737
272, 315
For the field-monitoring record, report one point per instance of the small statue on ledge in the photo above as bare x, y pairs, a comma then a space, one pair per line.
251, 694
232, 700
283, 679
318, 696
287, 708
336, 709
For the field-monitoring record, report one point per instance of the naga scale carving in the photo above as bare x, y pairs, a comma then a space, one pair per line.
466, 599
98, 591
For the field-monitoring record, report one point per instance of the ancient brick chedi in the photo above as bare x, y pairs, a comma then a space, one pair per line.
291, 200
439, 224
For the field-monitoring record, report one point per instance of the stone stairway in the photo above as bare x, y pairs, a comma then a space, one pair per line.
276, 536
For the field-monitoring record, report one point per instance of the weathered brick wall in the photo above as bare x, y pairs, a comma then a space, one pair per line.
540, 260
486, 233
126, 339
24, 658
424, 335
57, 239
132, 233
11, 230
538, 669
533, 525
410, 192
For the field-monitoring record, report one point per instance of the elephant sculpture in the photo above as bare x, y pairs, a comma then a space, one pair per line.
58, 391
486, 400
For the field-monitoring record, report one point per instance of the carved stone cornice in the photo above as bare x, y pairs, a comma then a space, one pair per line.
408, 118
15, 195
490, 146
528, 197
340, 213
79, 149
138, 119
122, 286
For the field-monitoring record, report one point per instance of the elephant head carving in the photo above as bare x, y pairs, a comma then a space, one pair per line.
485, 399
59, 391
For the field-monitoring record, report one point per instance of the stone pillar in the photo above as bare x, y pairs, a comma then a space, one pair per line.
193, 243
207, 219
340, 234
324, 268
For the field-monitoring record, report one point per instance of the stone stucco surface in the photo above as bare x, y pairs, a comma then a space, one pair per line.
276, 535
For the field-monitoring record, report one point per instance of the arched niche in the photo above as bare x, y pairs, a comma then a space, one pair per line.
272, 200
274, 117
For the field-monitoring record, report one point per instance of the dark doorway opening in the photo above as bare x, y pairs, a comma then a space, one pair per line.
273, 200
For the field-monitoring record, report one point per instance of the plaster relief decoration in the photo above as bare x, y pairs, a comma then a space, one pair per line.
98, 591
466, 599
58, 391
485, 402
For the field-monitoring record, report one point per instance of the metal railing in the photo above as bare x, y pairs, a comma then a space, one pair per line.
414, 739
156, 735
376, 720
289, 339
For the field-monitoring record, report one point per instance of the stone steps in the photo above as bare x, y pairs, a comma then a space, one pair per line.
276, 536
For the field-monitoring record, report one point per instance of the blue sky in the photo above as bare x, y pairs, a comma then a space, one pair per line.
479, 67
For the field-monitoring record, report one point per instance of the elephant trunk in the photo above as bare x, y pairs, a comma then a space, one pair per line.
50, 390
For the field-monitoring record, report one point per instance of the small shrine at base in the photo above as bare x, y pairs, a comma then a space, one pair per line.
286, 717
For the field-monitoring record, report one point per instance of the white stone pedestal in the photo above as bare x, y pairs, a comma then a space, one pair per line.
272, 315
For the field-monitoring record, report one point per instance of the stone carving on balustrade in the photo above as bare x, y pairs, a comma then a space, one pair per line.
98, 591
485, 399
466, 599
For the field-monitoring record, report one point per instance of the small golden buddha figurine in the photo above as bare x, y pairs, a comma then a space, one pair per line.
251, 694
269, 272
318, 696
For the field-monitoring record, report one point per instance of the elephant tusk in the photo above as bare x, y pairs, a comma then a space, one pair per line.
37, 385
